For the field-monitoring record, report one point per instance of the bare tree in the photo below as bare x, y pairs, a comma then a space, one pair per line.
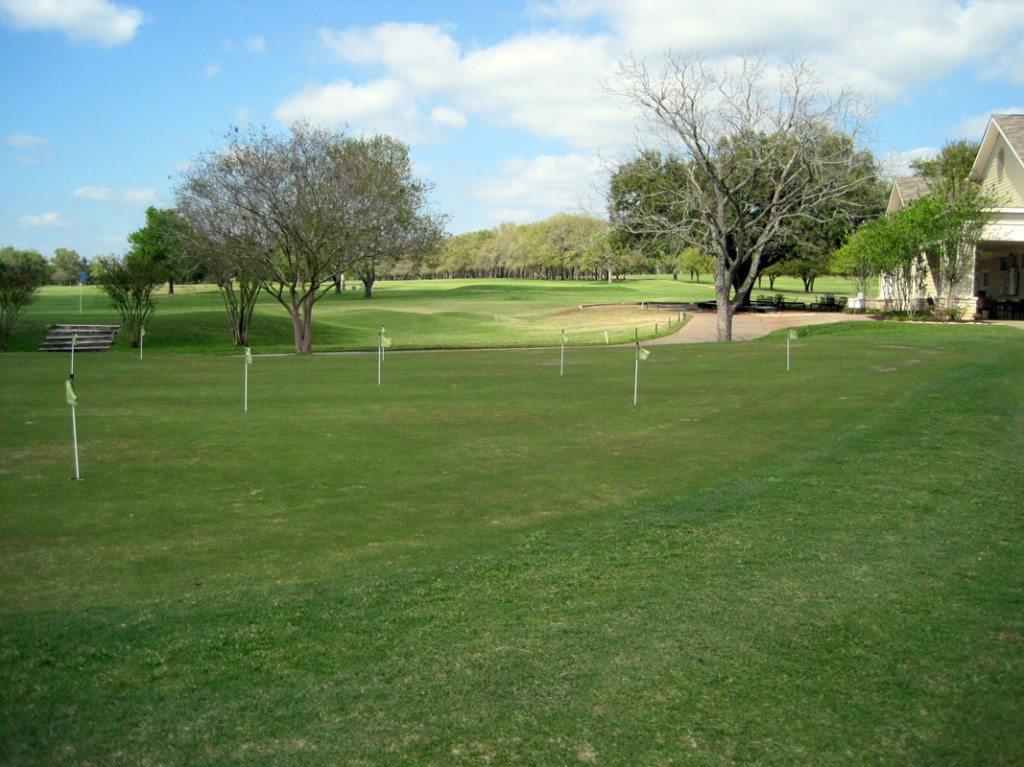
746, 151
292, 212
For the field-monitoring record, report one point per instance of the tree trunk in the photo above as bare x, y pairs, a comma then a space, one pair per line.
368, 287
723, 308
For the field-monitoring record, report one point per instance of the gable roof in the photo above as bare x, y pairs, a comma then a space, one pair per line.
1011, 128
906, 189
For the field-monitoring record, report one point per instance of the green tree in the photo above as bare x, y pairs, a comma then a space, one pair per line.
22, 272
892, 246
68, 266
953, 216
390, 220
161, 240
130, 283
694, 261
754, 152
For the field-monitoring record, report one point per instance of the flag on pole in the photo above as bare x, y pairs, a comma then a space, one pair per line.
383, 342
248, 356
565, 338
793, 335
641, 354
72, 399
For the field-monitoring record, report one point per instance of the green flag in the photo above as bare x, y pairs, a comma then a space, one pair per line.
69, 392
74, 340
792, 334
248, 356
385, 341
565, 338
142, 333
642, 353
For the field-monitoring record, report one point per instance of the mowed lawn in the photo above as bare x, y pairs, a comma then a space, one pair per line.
483, 562
428, 314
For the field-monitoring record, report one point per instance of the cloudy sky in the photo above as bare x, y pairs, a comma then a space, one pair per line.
103, 102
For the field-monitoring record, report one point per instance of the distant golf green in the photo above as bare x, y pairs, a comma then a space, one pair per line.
483, 562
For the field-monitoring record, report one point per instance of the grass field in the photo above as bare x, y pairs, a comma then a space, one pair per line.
483, 562
440, 314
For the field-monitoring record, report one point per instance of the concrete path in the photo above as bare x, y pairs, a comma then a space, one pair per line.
701, 326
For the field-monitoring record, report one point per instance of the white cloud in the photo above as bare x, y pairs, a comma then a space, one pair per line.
424, 56
106, 194
383, 106
211, 70
256, 45
896, 164
877, 46
447, 117
139, 196
533, 189
44, 221
973, 127
26, 141
94, 21
547, 84
92, 193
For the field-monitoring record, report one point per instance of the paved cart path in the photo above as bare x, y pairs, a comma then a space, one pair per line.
747, 325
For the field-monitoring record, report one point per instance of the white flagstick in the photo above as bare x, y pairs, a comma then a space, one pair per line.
72, 398
74, 440
142, 337
248, 362
636, 366
636, 374
788, 338
561, 361
382, 343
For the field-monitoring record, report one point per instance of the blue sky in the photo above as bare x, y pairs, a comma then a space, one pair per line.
104, 102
